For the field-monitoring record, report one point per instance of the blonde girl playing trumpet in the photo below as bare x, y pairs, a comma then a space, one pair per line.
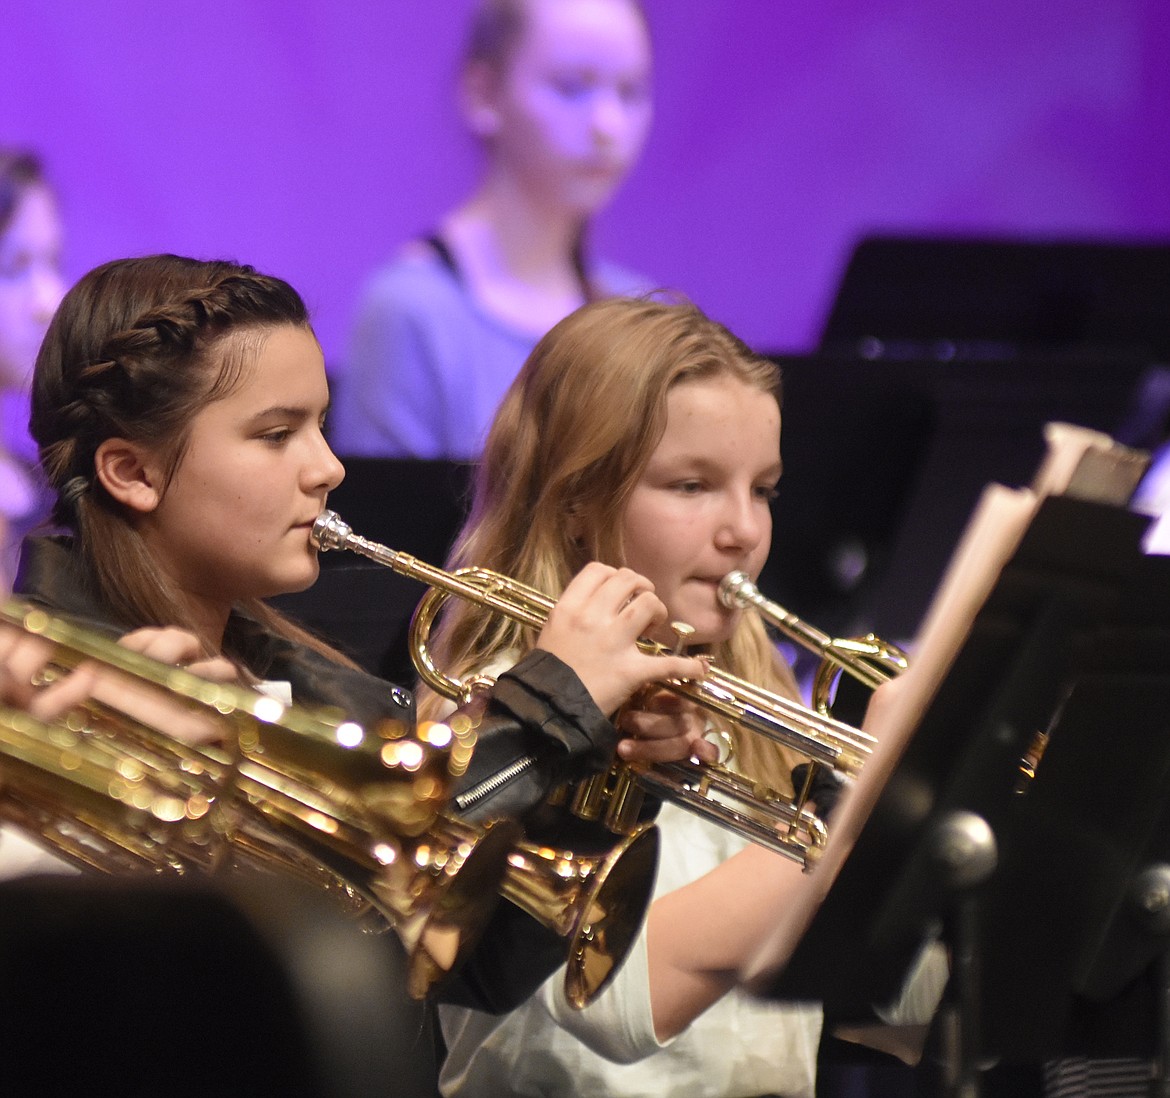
645, 435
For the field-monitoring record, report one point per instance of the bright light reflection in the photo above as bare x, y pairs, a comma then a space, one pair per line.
408, 755
437, 734
350, 734
321, 822
130, 769
197, 807
460, 723
168, 809
268, 709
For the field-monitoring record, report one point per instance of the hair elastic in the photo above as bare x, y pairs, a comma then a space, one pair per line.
73, 489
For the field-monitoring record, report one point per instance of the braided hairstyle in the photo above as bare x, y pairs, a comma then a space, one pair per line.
136, 349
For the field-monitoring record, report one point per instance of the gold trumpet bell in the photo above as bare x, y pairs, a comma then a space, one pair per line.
597, 903
457, 872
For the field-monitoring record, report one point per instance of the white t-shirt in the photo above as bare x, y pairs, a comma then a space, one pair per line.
20, 856
740, 1046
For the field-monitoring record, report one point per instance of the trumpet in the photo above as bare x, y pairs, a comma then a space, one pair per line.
360, 812
869, 659
785, 826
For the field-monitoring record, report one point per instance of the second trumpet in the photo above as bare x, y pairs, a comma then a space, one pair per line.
771, 820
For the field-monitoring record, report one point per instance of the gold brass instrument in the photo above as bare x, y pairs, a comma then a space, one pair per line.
721, 795
355, 810
358, 811
869, 659
596, 902
121, 818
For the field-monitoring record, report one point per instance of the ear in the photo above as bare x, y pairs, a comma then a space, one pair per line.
478, 99
128, 472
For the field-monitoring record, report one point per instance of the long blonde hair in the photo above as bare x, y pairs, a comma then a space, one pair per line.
568, 445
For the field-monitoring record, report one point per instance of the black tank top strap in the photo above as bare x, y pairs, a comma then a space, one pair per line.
446, 256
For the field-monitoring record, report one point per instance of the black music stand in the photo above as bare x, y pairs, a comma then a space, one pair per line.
883, 464
1072, 642
979, 298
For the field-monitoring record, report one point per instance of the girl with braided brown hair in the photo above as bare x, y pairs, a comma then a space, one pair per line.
178, 406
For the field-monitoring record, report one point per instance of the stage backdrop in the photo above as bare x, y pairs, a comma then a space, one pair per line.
309, 137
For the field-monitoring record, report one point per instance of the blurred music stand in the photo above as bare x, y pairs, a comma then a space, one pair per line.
955, 298
1060, 646
1112, 870
883, 463
246, 984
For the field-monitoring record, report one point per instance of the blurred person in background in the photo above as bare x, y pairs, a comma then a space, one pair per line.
31, 287
558, 94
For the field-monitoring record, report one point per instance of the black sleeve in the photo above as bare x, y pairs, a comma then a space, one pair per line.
540, 728
515, 955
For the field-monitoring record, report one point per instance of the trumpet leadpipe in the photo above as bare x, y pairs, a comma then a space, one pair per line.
331, 532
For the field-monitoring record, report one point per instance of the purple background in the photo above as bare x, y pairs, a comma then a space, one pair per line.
310, 137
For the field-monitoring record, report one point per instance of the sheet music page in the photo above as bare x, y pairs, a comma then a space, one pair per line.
1088, 465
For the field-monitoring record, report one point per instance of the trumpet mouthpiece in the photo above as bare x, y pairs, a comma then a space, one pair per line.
329, 532
736, 590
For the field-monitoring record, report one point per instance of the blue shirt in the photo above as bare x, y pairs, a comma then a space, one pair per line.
428, 366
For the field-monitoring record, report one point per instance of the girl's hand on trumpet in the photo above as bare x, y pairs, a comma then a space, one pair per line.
594, 628
664, 727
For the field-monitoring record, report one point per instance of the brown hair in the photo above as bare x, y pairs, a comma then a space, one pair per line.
135, 350
497, 27
567, 447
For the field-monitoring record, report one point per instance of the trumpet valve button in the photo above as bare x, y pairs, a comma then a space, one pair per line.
682, 636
